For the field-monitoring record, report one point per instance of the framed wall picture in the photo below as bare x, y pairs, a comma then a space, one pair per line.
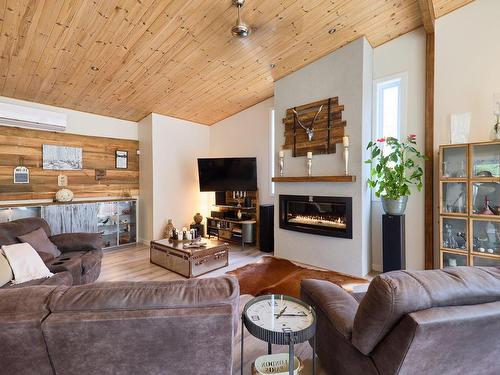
21, 175
121, 159
62, 158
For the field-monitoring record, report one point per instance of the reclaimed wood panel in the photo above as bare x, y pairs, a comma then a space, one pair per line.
328, 127
24, 146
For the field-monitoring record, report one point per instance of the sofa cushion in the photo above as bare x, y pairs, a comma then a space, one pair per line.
9, 231
88, 258
25, 262
6, 275
59, 279
393, 295
40, 242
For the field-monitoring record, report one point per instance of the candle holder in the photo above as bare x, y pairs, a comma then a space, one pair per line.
345, 141
309, 164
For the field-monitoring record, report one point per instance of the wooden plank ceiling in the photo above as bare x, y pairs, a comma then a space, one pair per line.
128, 58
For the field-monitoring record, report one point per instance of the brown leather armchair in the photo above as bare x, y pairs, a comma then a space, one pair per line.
81, 253
411, 322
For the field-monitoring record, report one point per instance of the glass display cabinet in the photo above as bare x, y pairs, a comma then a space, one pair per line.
115, 220
469, 228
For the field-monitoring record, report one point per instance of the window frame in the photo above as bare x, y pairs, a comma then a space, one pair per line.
379, 84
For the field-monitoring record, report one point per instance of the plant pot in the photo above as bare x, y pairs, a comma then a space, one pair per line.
394, 206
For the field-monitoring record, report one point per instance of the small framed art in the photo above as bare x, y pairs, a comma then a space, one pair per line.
121, 159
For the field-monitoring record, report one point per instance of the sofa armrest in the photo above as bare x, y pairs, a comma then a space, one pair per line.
67, 242
333, 301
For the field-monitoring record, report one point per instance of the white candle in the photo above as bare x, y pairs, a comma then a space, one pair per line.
309, 154
282, 154
345, 141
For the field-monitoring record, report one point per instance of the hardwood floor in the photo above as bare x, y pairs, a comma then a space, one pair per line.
132, 264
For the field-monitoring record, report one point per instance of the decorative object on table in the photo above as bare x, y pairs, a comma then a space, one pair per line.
196, 243
316, 127
345, 141
282, 162
21, 175
309, 163
64, 195
280, 320
450, 242
199, 228
62, 157
198, 218
100, 174
460, 128
396, 165
276, 364
248, 201
62, 180
121, 159
169, 229
238, 214
310, 128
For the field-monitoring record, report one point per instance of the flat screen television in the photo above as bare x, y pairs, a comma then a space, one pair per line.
227, 174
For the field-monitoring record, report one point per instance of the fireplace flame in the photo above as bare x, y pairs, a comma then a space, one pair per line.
319, 221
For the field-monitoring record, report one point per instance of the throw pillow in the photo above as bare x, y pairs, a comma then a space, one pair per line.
40, 242
5, 271
25, 262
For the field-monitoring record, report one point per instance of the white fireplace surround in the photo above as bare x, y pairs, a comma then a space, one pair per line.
346, 73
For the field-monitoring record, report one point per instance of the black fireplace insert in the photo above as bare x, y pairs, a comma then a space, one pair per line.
325, 216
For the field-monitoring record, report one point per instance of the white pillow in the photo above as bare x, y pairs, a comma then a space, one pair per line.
25, 262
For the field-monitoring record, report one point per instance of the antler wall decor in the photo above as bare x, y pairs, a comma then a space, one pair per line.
309, 129
324, 130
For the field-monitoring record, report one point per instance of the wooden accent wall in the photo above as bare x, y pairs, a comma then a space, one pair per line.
24, 146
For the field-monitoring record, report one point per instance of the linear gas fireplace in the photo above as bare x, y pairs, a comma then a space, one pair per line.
326, 216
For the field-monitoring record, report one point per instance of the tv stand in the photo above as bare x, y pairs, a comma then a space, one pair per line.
237, 231
233, 222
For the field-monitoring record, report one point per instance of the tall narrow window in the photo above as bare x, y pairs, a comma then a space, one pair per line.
389, 108
272, 150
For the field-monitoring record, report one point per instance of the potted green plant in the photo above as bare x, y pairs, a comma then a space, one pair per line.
395, 166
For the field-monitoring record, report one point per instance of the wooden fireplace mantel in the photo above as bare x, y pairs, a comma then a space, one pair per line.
315, 179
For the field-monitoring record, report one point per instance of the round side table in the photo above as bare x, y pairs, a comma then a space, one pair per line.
281, 320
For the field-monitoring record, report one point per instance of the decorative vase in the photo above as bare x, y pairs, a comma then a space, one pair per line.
64, 195
197, 218
395, 207
169, 229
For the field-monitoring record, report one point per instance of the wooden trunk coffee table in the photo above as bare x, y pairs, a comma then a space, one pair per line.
193, 262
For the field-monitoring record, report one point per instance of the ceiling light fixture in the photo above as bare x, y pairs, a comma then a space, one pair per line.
332, 31
272, 66
94, 68
240, 28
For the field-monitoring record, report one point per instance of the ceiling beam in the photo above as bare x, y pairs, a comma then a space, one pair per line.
428, 16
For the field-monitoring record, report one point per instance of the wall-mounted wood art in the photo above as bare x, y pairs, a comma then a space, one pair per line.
315, 127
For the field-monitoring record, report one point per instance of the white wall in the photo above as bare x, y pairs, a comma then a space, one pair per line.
247, 133
346, 73
169, 176
405, 54
466, 76
176, 146
87, 123
467, 68
146, 179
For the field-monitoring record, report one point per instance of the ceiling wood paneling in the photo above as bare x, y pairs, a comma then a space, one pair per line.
128, 58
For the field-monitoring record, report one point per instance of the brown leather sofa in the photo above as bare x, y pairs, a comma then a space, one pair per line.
421, 322
80, 259
170, 328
